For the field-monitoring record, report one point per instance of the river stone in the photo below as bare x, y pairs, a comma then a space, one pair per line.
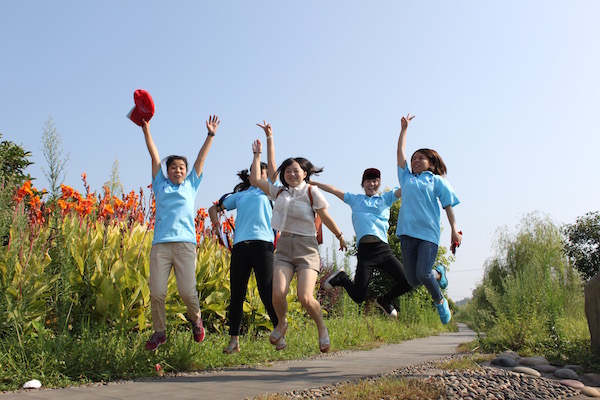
592, 310
504, 361
533, 361
590, 391
576, 368
527, 371
572, 383
591, 379
545, 368
565, 373
509, 354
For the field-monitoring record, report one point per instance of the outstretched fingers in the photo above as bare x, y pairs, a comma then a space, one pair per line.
212, 123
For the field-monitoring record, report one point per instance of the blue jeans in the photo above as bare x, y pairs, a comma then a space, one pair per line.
418, 257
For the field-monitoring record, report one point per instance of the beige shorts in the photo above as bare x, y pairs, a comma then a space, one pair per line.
297, 252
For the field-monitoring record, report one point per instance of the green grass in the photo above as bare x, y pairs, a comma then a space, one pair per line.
61, 360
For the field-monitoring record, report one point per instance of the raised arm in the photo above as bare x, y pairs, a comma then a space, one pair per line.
332, 226
401, 154
329, 189
211, 124
271, 165
154, 156
255, 179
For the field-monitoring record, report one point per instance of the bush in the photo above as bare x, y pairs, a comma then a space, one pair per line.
529, 292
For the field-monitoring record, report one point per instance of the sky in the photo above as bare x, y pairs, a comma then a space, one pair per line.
506, 91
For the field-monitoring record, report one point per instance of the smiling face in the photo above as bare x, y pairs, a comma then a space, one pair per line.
294, 174
419, 163
371, 186
177, 171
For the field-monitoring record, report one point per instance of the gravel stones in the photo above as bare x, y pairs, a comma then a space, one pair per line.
482, 383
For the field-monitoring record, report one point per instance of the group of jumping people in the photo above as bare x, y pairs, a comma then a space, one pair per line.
286, 199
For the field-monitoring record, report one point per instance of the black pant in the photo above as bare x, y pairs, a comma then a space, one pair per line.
246, 255
376, 255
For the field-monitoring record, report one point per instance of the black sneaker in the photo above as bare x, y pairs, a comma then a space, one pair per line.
387, 308
335, 279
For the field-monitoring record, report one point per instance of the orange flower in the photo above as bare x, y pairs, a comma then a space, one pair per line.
62, 204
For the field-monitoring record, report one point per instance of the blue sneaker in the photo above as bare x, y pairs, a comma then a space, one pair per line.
444, 312
443, 282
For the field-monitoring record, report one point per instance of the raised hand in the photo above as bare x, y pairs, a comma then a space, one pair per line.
405, 120
256, 146
212, 124
267, 128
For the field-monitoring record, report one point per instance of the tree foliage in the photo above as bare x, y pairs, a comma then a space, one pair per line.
583, 244
14, 159
530, 294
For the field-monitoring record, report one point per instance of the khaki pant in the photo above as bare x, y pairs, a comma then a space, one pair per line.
180, 256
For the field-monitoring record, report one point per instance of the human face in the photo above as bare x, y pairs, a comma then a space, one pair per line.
419, 163
263, 174
294, 174
177, 172
371, 186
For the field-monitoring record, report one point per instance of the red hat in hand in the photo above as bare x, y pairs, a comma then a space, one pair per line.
144, 107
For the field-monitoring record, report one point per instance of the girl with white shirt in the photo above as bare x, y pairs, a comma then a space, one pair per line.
297, 247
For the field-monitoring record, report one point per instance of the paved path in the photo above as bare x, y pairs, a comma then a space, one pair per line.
278, 378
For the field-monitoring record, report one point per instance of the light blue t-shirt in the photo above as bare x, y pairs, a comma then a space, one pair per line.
419, 214
174, 221
370, 215
254, 211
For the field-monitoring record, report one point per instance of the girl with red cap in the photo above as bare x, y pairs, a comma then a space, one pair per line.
174, 242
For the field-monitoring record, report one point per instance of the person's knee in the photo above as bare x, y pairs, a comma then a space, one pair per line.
306, 299
423, 276
189, 296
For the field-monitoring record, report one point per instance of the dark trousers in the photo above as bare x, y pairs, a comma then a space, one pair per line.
371, 256
245, 256
419, 257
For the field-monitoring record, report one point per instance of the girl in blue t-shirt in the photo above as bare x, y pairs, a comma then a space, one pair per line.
370, 219
252, 249
423, 189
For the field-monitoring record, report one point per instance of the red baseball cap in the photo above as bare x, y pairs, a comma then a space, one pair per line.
371, 173
144, 107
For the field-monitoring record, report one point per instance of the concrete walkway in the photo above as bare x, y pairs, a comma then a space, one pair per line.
278, 378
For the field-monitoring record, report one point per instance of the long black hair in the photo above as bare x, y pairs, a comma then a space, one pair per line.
244, 175
306, 166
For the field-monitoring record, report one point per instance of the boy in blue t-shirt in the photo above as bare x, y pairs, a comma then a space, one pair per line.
174, 243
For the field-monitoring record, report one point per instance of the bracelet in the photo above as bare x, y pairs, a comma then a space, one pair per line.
257, 152
340, 235
211, 134
270, 137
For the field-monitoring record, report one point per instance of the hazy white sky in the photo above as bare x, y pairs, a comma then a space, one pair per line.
506, 91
